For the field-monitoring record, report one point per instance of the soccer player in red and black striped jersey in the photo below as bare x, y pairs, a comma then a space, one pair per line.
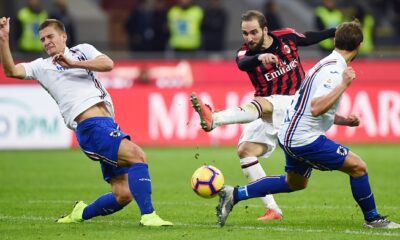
273, 65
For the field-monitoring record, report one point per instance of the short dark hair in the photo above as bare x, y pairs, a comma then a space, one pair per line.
254, 14
348, 35
52, 22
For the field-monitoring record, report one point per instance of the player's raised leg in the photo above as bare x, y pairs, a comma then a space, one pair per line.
243, 114
205, 112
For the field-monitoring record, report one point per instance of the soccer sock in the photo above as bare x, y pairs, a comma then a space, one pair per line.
253, 171
262, 187
244, 114
140, 186
363, 195
102, 206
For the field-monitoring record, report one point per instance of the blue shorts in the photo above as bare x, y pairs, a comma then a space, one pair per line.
99, 138
322, 154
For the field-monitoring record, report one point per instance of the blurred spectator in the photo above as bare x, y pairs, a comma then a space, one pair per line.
214, 26
28, 20
396, 19
60, 12
271, 13
328, 16
139, 27
367, 23
184, 22
160, 26
147, 27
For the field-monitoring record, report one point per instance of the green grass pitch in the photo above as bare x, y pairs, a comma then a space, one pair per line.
36, 187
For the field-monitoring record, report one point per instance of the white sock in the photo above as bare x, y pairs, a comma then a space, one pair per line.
244, 114
253, 171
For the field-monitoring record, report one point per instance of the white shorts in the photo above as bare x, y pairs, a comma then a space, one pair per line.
263, 132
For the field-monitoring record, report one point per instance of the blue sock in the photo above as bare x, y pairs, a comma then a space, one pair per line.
363, 195
104, 205
140, 186
262, 187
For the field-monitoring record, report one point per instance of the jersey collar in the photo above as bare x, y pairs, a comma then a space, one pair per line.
274, 45
340, 58
66, 50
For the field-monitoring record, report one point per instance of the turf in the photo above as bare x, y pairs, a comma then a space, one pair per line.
38, 186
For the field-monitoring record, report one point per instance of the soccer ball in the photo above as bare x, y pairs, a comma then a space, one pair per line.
207, 181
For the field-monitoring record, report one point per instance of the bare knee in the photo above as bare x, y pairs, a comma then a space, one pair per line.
120, 189
137, 154
266, 105
296, 181
242, 152
297, 186
249, 149
130, 153
359, 169
124, 197
354, 165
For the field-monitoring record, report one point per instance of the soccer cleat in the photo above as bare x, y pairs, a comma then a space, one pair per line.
225, 204
204, 111
381, 222
271, 214
153, 220
75, 216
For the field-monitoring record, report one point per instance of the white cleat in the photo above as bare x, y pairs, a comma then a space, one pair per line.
225, 204
381, 222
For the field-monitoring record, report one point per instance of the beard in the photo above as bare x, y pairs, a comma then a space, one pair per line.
258, 45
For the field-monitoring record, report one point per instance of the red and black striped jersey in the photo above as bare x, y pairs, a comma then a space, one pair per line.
284, 77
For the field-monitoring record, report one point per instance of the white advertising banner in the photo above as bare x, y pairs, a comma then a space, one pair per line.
30, 119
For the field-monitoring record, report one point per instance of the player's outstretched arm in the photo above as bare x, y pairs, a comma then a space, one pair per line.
314, 37
101, 63
7, 62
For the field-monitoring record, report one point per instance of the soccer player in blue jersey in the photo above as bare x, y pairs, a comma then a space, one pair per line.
68, 75
302, 136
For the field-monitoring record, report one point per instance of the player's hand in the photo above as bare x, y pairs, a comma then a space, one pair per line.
4, 28
268, 58
353, 120
348, 76
63, 61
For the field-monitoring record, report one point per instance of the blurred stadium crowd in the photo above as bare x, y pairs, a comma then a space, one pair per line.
167, 29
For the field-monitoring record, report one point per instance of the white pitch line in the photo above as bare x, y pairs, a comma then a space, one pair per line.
241, 227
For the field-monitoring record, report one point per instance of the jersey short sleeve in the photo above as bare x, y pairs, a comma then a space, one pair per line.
330, 78
89, 51
32, 68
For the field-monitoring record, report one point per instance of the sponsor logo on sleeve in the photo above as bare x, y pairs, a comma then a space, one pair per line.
328, 84
241, 53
